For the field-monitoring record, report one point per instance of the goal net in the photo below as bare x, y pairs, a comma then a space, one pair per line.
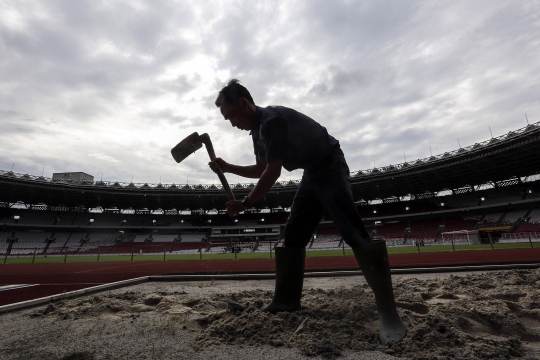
460, 237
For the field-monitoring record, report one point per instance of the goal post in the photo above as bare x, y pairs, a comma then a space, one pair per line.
460, 237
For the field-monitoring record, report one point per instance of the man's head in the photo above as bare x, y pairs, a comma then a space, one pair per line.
236, 105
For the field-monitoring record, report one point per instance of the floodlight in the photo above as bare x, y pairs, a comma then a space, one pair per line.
442, 204
482, 198
16, 217
374, 211
262, 219
91, 220
407, 208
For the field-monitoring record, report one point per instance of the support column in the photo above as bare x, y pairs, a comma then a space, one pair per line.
10, 242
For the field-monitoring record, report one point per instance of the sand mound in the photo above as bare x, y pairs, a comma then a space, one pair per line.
485, 316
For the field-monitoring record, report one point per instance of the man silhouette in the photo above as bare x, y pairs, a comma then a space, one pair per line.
283, 137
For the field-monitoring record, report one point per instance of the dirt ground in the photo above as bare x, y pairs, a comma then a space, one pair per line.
493, 315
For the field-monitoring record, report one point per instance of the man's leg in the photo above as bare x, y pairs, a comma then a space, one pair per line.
336, 197
305, 215
334, 193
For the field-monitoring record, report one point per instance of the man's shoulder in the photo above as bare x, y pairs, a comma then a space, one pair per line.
273, 111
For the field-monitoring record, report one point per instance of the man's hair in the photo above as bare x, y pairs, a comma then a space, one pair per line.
231, 92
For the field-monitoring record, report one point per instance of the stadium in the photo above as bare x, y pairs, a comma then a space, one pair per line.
488, 192
474, 208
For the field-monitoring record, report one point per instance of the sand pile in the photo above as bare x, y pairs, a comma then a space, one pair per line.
484, 316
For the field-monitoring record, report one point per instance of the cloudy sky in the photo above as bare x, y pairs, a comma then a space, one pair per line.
109, 87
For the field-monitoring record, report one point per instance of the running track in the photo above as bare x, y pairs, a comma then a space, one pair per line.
56, 278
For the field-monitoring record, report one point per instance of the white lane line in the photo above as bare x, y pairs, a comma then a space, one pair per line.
15, 286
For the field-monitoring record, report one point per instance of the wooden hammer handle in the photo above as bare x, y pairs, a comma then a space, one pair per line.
205, 139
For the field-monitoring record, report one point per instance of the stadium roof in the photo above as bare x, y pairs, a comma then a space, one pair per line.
509, 157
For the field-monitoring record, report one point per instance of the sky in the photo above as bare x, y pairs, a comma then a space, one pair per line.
109, 87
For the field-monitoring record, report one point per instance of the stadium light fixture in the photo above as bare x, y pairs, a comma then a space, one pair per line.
16, 217
91, 220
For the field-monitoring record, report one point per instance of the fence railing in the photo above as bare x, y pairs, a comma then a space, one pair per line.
238, 250
520, 237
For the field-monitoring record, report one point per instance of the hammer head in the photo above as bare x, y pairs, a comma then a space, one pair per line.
186, 147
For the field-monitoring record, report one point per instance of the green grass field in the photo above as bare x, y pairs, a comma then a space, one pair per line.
39, 259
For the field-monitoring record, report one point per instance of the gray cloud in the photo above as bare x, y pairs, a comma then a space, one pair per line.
125, 81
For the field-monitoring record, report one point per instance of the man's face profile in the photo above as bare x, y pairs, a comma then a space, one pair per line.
238, 115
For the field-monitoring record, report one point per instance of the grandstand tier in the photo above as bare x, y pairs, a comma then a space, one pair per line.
507, 158
408, 204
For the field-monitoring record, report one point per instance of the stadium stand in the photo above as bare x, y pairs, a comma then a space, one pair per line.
402, 203
327, 231
391, 230
462, 200
455, 224
192, 238
511, 217
492, 219
533, 223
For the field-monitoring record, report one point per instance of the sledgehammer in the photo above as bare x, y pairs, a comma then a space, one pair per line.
193, 143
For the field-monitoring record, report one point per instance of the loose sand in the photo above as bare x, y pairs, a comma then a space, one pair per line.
492, 315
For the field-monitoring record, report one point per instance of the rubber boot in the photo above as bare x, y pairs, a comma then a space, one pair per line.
373, 260
289, 280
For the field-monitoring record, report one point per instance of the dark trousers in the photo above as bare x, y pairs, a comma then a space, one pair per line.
325, 187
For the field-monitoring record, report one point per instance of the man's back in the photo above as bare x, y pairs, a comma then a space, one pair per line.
284, 133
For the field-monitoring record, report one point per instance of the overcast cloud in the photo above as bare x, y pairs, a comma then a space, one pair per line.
110, 87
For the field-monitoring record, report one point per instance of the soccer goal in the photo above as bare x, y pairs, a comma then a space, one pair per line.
460, 237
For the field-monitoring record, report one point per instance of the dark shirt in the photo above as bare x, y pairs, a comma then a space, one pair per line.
283, 133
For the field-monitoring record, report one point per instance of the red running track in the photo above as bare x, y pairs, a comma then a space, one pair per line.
57, 278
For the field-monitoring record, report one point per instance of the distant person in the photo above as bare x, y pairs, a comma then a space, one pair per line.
283, 137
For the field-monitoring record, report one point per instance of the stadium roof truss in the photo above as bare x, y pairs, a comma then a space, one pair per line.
502, 161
